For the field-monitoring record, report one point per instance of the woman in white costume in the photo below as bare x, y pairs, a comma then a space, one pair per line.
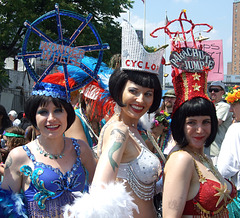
123, 155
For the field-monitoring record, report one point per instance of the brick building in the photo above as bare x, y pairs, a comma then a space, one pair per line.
235, 39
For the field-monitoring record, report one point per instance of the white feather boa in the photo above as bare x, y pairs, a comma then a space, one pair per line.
106, 201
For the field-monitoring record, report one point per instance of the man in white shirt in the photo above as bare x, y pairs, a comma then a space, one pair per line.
216, 91
13, 117
229, 157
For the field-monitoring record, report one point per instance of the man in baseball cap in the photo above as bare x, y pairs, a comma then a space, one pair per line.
216, 91
169, 99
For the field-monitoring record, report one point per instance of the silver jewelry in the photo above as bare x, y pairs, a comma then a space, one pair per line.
46, 154
117, 109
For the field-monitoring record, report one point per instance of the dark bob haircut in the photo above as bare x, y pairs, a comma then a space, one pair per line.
195, 107
120, 77
33, 102
6, 122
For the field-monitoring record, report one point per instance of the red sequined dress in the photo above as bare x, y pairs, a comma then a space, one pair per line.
211, 199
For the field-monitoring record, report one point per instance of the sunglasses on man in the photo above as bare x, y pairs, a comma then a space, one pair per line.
214, 89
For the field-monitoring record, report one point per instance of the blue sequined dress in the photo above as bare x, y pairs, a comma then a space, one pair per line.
50, 189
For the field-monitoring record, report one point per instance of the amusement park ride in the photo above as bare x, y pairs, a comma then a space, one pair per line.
62, 50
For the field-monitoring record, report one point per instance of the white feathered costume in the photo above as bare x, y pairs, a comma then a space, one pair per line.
106, 201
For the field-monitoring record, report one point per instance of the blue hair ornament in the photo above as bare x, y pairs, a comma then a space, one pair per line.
50, 89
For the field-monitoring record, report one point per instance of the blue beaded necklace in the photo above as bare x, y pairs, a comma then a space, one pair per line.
46, 154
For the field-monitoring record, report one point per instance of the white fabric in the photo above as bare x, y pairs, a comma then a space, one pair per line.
145, 167
223, 113
106, 201
16, 122
146, 121
169, 146
229, 157
159, 186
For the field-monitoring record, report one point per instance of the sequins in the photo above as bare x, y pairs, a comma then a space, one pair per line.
72, 180
189, 85
141, 173
42, 193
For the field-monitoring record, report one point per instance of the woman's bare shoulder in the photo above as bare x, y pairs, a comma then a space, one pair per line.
116, 126
18, 156
180, 157
70, 142
19, 152
83, 145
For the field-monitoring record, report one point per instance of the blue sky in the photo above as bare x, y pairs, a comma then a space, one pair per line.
217, 13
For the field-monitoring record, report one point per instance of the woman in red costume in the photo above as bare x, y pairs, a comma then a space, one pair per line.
192, 185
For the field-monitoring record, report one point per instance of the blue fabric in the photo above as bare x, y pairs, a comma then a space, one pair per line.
103, 122
49, 89
234, 207
12, 204
79, 74
48, 183
85, 128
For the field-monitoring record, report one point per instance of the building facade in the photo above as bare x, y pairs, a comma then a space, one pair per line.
235, 39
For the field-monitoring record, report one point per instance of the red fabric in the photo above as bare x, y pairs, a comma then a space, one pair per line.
101, 103
189, 85
206, 198
58, 78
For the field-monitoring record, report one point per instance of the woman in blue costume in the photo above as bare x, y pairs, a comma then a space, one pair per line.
49, 169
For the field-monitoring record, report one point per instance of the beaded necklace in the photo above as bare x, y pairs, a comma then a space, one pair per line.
206, 162
46, 154
165, 141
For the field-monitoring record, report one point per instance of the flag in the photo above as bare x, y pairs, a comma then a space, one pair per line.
166, 20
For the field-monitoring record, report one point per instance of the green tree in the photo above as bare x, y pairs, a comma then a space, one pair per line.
13, 13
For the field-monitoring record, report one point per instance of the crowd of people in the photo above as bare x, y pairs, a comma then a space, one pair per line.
193, 127
92, 157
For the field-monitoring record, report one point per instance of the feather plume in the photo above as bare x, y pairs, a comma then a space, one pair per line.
107, 201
